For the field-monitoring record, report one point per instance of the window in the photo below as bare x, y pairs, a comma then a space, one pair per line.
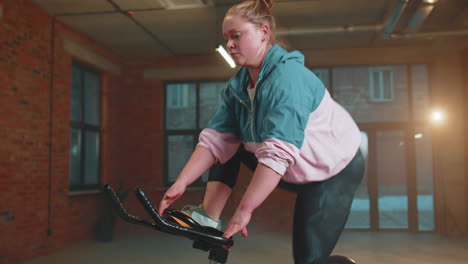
178, 97
372, 85
189, 107
381, 84
85, 128
397, 192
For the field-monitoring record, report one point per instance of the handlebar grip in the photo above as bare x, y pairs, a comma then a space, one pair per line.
176, 229
117, 204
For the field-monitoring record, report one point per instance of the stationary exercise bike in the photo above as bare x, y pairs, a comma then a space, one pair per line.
177, 223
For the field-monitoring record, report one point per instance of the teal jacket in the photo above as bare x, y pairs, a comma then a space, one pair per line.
293, 125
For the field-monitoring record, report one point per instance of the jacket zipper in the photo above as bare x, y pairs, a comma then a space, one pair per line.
251, 114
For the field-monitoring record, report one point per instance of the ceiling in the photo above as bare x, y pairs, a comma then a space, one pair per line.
141, 29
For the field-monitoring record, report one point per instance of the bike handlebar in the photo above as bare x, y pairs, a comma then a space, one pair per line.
205, 238
123, 213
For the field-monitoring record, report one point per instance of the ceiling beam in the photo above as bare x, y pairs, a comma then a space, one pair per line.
151, 34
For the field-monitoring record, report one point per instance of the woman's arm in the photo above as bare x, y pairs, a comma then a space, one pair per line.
200, 161
263, 182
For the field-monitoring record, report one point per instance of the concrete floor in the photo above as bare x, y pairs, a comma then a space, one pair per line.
146, 246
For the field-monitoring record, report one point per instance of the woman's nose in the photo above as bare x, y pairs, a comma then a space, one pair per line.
230, 45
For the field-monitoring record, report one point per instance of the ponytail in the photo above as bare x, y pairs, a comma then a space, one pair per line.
257, 12
264, 6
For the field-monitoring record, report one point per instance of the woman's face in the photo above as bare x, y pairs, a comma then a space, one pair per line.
245, 41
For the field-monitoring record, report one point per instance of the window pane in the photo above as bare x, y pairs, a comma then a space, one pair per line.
425, 181
359, 216
352, 89
381, 84
92, 93
420, 84
391, 171
180, 148
76, 93
375, 85
209, 94
75, 157
323, 75
91, 158
387, 85
181, 106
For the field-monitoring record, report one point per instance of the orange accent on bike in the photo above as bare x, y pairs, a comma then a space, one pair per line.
180, 222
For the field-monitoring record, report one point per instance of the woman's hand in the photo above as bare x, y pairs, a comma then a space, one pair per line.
238, 223
200, 161
171, 195
262, 184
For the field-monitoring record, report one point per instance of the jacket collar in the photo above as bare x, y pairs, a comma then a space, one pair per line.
275, 55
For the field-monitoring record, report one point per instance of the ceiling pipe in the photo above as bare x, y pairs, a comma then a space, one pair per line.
394, 18
453, 33
366, 28
328, 30
388, 27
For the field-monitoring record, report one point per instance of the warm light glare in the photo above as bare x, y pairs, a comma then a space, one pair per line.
437, 116
430, 1
226, 56
418, 135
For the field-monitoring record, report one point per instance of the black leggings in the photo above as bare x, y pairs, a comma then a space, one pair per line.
321, 210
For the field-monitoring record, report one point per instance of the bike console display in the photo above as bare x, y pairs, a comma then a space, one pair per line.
176, 223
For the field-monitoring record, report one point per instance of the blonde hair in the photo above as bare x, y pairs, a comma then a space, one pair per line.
257, 12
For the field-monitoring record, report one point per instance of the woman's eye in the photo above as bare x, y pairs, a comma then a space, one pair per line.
233, 36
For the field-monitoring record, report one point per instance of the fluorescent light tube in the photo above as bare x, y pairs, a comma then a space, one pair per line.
226, 56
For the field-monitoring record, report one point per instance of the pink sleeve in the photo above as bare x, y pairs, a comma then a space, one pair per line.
277, 155
222, 145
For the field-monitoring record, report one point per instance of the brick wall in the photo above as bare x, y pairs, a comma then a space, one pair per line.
38, 215
24, 151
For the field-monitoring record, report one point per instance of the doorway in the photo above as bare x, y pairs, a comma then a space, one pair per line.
397, 192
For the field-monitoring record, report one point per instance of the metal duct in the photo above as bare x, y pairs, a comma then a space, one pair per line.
419, 16
394, 18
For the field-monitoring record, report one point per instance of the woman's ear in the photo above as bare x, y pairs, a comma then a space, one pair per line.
265, 29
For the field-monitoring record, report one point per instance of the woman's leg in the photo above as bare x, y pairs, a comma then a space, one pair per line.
215, 198
321, 211
221, 180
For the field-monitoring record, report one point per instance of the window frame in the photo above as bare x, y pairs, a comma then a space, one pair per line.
182, 99
380, 70
83, 127
183, 132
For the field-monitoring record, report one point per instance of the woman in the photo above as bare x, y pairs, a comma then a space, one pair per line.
276, 116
